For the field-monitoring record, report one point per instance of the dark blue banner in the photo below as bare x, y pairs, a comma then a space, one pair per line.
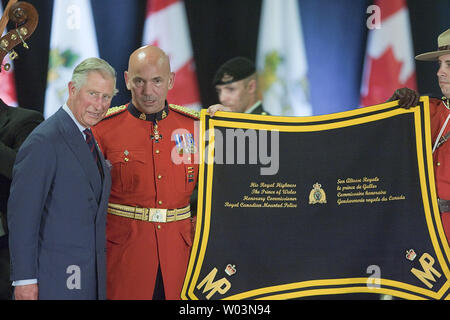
318, 207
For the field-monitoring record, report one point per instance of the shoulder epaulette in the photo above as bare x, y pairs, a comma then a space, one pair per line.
115, 111
186, 111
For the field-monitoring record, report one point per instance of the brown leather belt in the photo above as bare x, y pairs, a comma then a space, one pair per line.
149, 214
444, 205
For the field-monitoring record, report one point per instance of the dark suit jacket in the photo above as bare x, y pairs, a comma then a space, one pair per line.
15, 125
57, 213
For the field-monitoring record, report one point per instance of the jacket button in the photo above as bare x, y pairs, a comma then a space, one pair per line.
157, 151
159, 176
438, 164
160, 202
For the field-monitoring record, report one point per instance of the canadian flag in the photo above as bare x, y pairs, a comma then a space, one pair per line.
166, 27
389, 62
7, 82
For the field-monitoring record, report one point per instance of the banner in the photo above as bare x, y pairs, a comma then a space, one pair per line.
301, 207
73, 39
166, 26
8, 85
389, 63
281, 59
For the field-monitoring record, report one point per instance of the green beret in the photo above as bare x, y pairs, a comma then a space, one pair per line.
234, 70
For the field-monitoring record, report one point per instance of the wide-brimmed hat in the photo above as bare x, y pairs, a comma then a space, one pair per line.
443, 48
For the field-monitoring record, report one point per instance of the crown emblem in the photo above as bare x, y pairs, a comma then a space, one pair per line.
317, 195
230, 269
226, 77
410, 254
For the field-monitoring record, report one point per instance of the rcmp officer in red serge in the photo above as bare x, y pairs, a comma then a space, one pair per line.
440, 123
150, 146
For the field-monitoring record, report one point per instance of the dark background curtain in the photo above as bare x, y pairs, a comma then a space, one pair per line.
335, 36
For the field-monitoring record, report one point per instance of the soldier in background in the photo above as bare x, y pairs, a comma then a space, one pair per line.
236, 83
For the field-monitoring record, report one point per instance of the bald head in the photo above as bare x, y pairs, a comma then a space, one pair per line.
151, 55
149, 78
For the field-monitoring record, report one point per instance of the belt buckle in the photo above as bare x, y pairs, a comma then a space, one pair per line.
157, 215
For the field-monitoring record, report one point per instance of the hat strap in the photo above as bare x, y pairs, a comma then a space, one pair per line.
444, 48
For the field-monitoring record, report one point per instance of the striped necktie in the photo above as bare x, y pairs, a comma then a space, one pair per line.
91, 143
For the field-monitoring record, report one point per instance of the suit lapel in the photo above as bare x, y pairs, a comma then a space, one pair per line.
106, 186
76, 142
105, 169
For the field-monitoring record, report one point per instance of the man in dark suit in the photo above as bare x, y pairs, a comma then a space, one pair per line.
236, 83
59, 196
15, 125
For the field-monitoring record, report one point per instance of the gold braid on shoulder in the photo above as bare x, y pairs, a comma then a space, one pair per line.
115, 110
187, 111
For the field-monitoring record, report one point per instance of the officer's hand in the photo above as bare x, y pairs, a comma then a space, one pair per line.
217, 107
407, 97
26, 292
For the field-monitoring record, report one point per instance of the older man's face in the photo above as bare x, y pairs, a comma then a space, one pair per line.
444, 74
149, 79
90, 103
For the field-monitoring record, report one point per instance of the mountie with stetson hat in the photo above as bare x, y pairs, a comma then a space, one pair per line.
439, 111
443, 48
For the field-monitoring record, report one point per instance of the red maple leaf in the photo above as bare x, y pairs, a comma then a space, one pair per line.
384, 78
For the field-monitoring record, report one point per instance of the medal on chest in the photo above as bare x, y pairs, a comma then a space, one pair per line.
156, 135
185, 143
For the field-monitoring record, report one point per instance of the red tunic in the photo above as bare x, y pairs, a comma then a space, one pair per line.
441, 158
145, 173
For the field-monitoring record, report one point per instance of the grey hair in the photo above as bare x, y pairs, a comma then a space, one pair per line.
88, 65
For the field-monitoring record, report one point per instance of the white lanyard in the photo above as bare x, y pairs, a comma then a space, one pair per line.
440, 133
442, 129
